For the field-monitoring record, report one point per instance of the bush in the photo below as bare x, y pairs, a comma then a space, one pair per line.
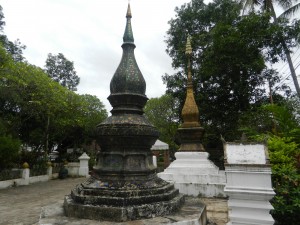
286, 180
9, 152
33, 158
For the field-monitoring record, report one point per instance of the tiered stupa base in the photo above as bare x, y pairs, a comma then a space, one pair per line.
195, 175
122, 200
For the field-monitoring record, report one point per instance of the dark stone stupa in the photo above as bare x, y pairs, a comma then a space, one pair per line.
124, 185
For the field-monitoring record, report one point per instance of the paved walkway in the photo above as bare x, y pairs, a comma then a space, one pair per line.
22, 205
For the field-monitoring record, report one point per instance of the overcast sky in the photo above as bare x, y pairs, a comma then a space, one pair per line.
89, 33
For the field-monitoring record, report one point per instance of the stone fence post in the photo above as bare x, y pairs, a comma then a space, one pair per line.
49, 170
154, 161
25, 173
84, 165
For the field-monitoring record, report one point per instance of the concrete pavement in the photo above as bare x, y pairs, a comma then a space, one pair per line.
22, 205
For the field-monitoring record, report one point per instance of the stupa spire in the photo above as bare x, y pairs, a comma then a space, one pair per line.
190, 112
128, 34
128, 83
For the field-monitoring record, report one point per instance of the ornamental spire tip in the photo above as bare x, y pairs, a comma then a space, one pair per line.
128, 14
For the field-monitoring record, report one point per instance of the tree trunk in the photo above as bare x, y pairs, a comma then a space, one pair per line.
292, 69
288, 57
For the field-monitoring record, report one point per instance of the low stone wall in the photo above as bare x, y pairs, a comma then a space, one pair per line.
26, 179
75, 169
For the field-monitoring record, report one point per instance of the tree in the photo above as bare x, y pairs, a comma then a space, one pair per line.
9, 151
290, 9
279, 125
162, 112
62, 71
14, 48
289, 6
285, 179
78, 121
42, 113
229, 53
2, 23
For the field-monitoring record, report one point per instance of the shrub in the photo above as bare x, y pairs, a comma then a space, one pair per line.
286, 180
9, 151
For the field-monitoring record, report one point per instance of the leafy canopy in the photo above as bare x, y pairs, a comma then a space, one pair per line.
230, 53
41, 112
162, 113
61, 70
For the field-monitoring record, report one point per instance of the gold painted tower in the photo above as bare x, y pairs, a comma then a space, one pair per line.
190, 133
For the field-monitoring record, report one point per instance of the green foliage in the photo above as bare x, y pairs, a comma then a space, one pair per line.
279, 126
61, 70
2, 23
15, 49
278, 119
33, 158
41, 112
229, 58
162, 112
9, 151
268, 5
286, 180
283, 152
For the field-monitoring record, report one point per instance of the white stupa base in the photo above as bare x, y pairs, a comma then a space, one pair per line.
249, 189
195, 175
249, 185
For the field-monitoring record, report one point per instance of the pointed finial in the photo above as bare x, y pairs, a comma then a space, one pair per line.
190, 112
188, 48
128, 14
128, 35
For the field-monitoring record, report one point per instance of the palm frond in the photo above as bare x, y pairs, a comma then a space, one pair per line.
290, 11
285, 4
248, 5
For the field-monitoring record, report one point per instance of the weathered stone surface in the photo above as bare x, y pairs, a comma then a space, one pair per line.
124, 185
122, 200
193, 212
190, 139
122, 213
